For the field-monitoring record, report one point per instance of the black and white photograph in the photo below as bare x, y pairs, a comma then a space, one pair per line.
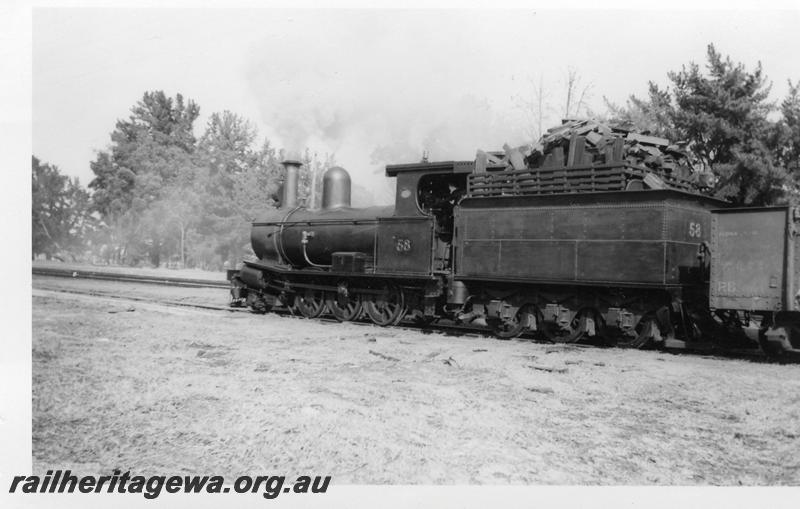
357, 256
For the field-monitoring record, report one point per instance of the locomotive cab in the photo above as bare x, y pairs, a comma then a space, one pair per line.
438, 195
418, 238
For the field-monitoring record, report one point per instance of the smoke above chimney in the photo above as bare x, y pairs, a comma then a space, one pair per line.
351, 107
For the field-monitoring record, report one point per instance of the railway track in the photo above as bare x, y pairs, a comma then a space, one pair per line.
442, 326
129, 278
166, 302
453, 329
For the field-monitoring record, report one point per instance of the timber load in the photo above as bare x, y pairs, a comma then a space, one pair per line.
588, 156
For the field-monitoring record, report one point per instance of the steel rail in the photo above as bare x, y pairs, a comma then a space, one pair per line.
442, 327
131, 278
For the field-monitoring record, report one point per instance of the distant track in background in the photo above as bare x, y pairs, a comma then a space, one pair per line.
148, 300
129, 278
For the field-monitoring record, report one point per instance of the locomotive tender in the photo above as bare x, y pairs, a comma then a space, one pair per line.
613, 253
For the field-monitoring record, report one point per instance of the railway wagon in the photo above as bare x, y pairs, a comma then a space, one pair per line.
755, 273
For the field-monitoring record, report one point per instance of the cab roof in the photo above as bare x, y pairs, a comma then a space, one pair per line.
393, 170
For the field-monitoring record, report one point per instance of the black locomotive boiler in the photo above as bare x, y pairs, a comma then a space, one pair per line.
614, 253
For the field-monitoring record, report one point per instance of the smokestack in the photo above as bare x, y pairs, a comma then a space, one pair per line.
289, 200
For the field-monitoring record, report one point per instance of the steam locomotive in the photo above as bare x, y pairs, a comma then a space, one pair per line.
611, 253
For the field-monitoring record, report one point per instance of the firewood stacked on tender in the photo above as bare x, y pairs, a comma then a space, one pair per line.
586, 142
581, 144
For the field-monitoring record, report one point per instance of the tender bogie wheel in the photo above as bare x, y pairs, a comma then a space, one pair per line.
580, 327
344, 309
387, 307
772, 352
513, 327
776, 351
310, 303
647, 333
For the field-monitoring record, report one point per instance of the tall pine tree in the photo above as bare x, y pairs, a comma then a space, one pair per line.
150, 151
723, 113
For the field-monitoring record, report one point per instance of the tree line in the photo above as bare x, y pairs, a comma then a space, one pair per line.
162, 196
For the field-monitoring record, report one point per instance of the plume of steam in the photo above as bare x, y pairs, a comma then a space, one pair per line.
374, 95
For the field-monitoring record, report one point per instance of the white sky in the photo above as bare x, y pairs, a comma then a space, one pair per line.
362, 82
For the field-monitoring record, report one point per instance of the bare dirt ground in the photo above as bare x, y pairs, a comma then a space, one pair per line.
136, 291
154, 389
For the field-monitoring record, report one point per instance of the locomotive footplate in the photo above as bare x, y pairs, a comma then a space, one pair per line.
304, 273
